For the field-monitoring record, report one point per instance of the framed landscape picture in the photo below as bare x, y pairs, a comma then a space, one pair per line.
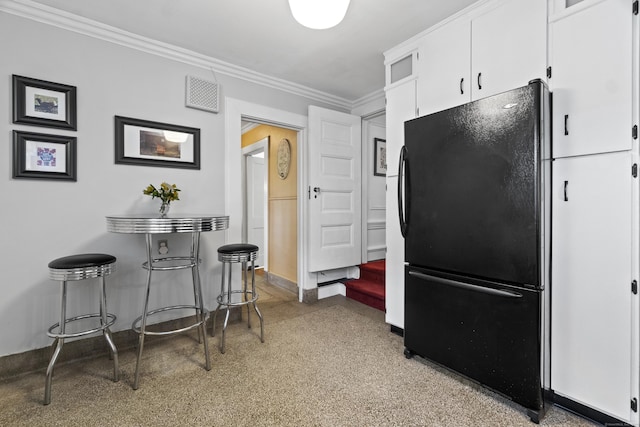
41, 156
41, 103
147, 143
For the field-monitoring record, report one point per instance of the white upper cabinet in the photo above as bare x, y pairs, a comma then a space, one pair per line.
499, 47
508, 47
591, 79
444, 67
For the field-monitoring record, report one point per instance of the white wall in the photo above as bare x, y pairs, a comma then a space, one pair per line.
43, 220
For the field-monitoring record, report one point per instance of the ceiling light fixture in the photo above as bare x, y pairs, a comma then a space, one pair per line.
319, 14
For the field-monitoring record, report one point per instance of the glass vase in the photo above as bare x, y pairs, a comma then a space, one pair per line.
164, 209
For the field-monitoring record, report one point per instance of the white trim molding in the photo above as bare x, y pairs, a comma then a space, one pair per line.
51, 16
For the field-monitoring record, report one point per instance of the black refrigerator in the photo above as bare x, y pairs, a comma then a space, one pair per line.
474, 211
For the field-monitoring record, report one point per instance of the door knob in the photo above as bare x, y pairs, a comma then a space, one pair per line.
316, 190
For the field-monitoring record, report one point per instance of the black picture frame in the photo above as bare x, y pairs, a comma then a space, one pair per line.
147, 143
42, 103
379, 157
43, 156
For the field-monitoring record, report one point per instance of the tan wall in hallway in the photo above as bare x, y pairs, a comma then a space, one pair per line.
283, 202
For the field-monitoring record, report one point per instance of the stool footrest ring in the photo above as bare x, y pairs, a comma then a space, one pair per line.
111, 319
223, 300
171, 264
205, 315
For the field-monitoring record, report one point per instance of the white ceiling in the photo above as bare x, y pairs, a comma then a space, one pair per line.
345, 61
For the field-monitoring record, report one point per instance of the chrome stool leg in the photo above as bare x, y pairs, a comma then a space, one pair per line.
113, 353
253, 297
57, 343
244, 293
226, 317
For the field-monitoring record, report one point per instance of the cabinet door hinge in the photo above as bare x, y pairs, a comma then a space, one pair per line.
417, 112
635, 7
634, 287
634, 404
549, 72
634, 170
634, 132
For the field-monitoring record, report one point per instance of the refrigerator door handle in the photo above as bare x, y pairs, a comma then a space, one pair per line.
467, 286
401, 202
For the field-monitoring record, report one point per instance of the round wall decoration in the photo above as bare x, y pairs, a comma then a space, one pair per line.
284, 158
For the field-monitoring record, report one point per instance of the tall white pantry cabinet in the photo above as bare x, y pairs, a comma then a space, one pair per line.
588, 53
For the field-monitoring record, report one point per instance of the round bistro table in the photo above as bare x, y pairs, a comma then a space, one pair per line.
150, 224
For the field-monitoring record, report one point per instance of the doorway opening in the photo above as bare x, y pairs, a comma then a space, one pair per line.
270, 199
256, 192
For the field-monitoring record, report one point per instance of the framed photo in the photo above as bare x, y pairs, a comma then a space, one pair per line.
40, 103
41, 156
146, 143
380, 157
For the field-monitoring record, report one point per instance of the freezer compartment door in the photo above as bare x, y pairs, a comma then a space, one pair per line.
488, 332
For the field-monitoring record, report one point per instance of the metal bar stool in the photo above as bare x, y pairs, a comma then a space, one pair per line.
237, 253
73, 268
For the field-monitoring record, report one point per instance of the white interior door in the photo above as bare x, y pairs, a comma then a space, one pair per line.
335, 231
256, 205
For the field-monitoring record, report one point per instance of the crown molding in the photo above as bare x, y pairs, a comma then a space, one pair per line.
374, 97
68, 21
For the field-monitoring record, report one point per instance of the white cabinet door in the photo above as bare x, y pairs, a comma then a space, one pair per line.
401, 106
591, 59
508, 47
467, 59
444, 65
591, 281
394, 274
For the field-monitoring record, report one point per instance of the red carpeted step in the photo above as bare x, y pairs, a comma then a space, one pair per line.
367, 292
370, 288
373, 271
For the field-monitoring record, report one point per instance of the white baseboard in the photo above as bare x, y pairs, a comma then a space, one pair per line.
331, 290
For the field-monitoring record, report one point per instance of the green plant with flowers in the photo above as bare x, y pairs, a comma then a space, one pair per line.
167, 193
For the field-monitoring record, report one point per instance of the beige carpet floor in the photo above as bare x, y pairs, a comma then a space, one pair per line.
333, 363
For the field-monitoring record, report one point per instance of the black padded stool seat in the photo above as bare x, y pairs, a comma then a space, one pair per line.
82, 261
230, 254
75, 268
238, 252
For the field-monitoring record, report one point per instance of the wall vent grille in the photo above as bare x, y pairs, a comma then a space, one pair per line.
202, 94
